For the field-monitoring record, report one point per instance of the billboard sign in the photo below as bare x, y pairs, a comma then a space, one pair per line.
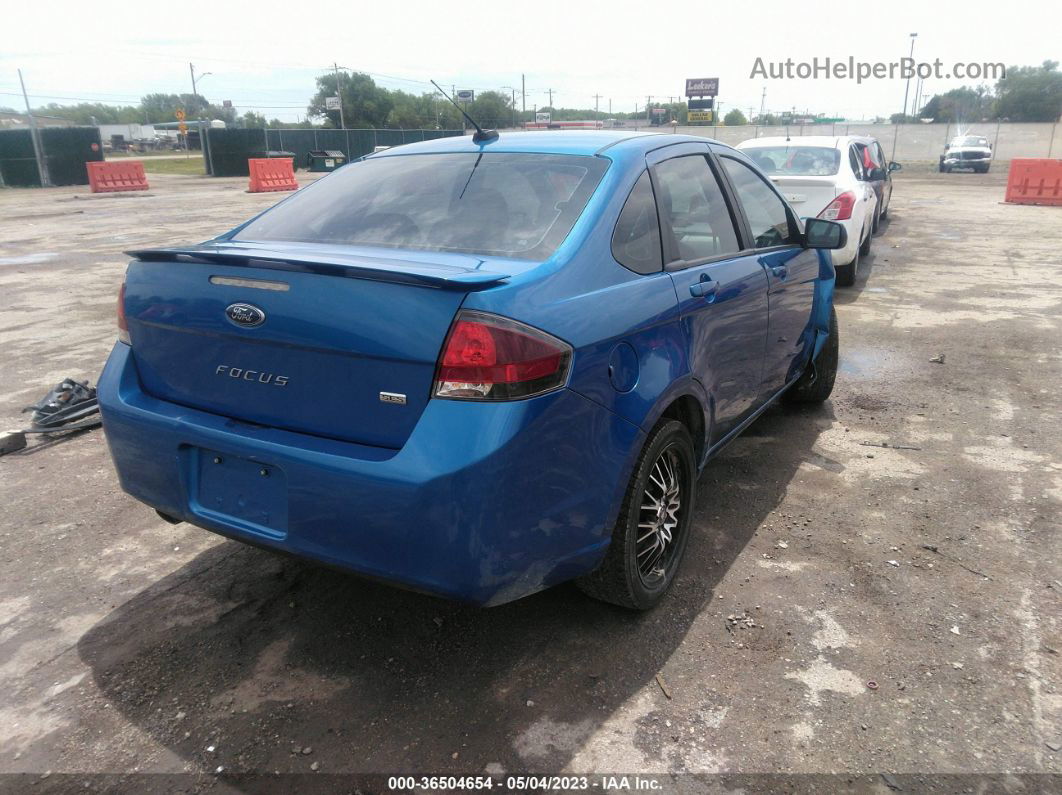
699, 115
701, 104
543, 118
331, 103
466, 95
702, 87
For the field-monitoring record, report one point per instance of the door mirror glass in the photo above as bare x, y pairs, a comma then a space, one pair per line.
876, 174
820, 233
894, 166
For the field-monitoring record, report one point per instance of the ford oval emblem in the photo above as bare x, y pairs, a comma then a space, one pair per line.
246, 315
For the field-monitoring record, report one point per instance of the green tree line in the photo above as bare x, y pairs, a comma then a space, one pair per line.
1027, 94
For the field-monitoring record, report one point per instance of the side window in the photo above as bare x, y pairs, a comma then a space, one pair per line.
857, 162
765, 210
881, 155
636, 240
693, 212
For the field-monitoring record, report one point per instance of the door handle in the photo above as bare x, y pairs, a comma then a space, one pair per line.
780, 271
705, 288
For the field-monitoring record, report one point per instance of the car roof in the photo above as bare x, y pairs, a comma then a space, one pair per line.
831, 141
558, 142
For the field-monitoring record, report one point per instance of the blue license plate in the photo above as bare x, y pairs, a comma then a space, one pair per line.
237, 491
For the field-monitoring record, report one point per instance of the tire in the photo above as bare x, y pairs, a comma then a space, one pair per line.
885, 212
816, 384
846, 274
877, 224
864, 247
667, 459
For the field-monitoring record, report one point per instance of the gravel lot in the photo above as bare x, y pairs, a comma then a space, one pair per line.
872, 586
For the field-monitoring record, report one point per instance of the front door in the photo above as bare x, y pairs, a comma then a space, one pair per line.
722, 291
792, 271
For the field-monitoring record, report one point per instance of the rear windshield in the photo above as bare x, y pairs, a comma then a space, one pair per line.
796, 161
511, 205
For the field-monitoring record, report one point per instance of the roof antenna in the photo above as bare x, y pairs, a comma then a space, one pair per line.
481, 136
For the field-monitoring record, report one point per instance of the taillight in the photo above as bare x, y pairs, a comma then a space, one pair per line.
840, 209
123, 327
486, 357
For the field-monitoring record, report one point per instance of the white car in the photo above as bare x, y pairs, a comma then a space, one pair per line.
967, 151
824, 177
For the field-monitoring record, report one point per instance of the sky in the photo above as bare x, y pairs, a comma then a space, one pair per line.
264, 57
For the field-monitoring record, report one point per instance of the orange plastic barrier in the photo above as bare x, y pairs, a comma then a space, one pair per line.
1035, 181
110, 176
271, 173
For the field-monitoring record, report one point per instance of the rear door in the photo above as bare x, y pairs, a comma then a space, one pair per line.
791, 270
722, 290
886, 190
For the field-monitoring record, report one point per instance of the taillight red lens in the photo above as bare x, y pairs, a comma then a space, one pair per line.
840, 209
486, 357
123, 327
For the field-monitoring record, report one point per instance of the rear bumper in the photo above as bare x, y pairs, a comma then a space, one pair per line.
484, 503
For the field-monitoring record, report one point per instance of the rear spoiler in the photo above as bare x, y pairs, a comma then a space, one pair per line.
425, 274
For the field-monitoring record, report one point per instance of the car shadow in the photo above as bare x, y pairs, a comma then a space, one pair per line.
261, 654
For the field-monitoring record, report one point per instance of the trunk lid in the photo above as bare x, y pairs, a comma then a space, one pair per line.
808, 195
330, 341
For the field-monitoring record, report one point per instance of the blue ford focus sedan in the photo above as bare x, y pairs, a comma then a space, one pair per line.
474, 368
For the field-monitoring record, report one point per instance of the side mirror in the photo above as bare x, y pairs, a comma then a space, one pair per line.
894, 166
876, 175
820, 233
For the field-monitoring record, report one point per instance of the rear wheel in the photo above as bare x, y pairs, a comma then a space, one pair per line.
650, 535
816, 384
846, 274
864, 248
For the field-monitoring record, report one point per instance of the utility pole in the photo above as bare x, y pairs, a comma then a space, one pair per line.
523, 94
191, 71
610, 107
35, 134
763, 102
908, 88
550, 92
648, 102
342, 121
514, 108
597, 97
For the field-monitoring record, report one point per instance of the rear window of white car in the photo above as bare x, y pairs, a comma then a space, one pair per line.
796, 161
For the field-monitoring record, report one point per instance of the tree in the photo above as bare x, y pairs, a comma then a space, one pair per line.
365, 104
491, 109
959, 105
735, 118
252, 119
1030, 93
